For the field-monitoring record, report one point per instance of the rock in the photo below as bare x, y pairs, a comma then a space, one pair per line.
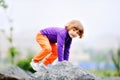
14, 73
64, 71
61, 71
9, 77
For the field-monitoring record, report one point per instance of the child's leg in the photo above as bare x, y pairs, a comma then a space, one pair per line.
49, 59
45, 45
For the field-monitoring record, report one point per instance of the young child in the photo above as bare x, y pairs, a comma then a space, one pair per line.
55, 42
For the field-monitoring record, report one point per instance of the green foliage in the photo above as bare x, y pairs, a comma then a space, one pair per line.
116, 61
3, 4
104, 73
25, 65
13, 52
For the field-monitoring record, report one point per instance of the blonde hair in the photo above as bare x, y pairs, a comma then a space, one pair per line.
75, 24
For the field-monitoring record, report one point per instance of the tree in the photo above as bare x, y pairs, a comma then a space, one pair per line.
3, 4
11, 50
116, 61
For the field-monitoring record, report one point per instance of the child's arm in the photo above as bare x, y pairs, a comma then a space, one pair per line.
67, 49
60, 44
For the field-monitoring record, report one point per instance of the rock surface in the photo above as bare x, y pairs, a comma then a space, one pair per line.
64, 71
14, 73
61, 71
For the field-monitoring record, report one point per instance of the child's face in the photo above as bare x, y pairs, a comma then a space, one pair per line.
73, 33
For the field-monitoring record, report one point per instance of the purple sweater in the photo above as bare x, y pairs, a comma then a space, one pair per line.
62, 38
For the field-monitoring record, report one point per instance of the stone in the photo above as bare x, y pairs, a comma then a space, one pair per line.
61, 71
14, 72
64, 71
9, 77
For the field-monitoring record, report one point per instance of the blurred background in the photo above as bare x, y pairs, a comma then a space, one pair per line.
98, 51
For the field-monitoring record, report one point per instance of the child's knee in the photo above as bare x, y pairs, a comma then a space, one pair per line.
48, 49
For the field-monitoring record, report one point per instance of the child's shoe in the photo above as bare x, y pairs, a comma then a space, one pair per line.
38, 66
34, 65
42, 67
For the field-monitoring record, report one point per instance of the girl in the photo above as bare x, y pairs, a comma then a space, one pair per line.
55, 42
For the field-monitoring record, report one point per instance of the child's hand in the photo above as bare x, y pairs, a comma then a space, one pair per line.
58, 62
61, 61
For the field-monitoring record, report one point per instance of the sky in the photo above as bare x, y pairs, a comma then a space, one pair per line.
100, 19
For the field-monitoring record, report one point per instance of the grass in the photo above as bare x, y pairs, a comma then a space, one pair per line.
104, 73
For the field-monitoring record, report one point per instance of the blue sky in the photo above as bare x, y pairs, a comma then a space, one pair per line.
99, 17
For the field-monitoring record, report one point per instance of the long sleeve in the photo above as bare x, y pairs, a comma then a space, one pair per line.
67, 49
60, 45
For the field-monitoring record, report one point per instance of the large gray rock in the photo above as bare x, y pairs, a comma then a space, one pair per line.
61, 71
64, 71
14, 73
9, 77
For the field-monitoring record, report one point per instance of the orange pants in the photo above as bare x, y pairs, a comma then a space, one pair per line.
48, 49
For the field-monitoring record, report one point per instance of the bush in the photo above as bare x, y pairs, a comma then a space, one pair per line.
116, 61
25, 65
